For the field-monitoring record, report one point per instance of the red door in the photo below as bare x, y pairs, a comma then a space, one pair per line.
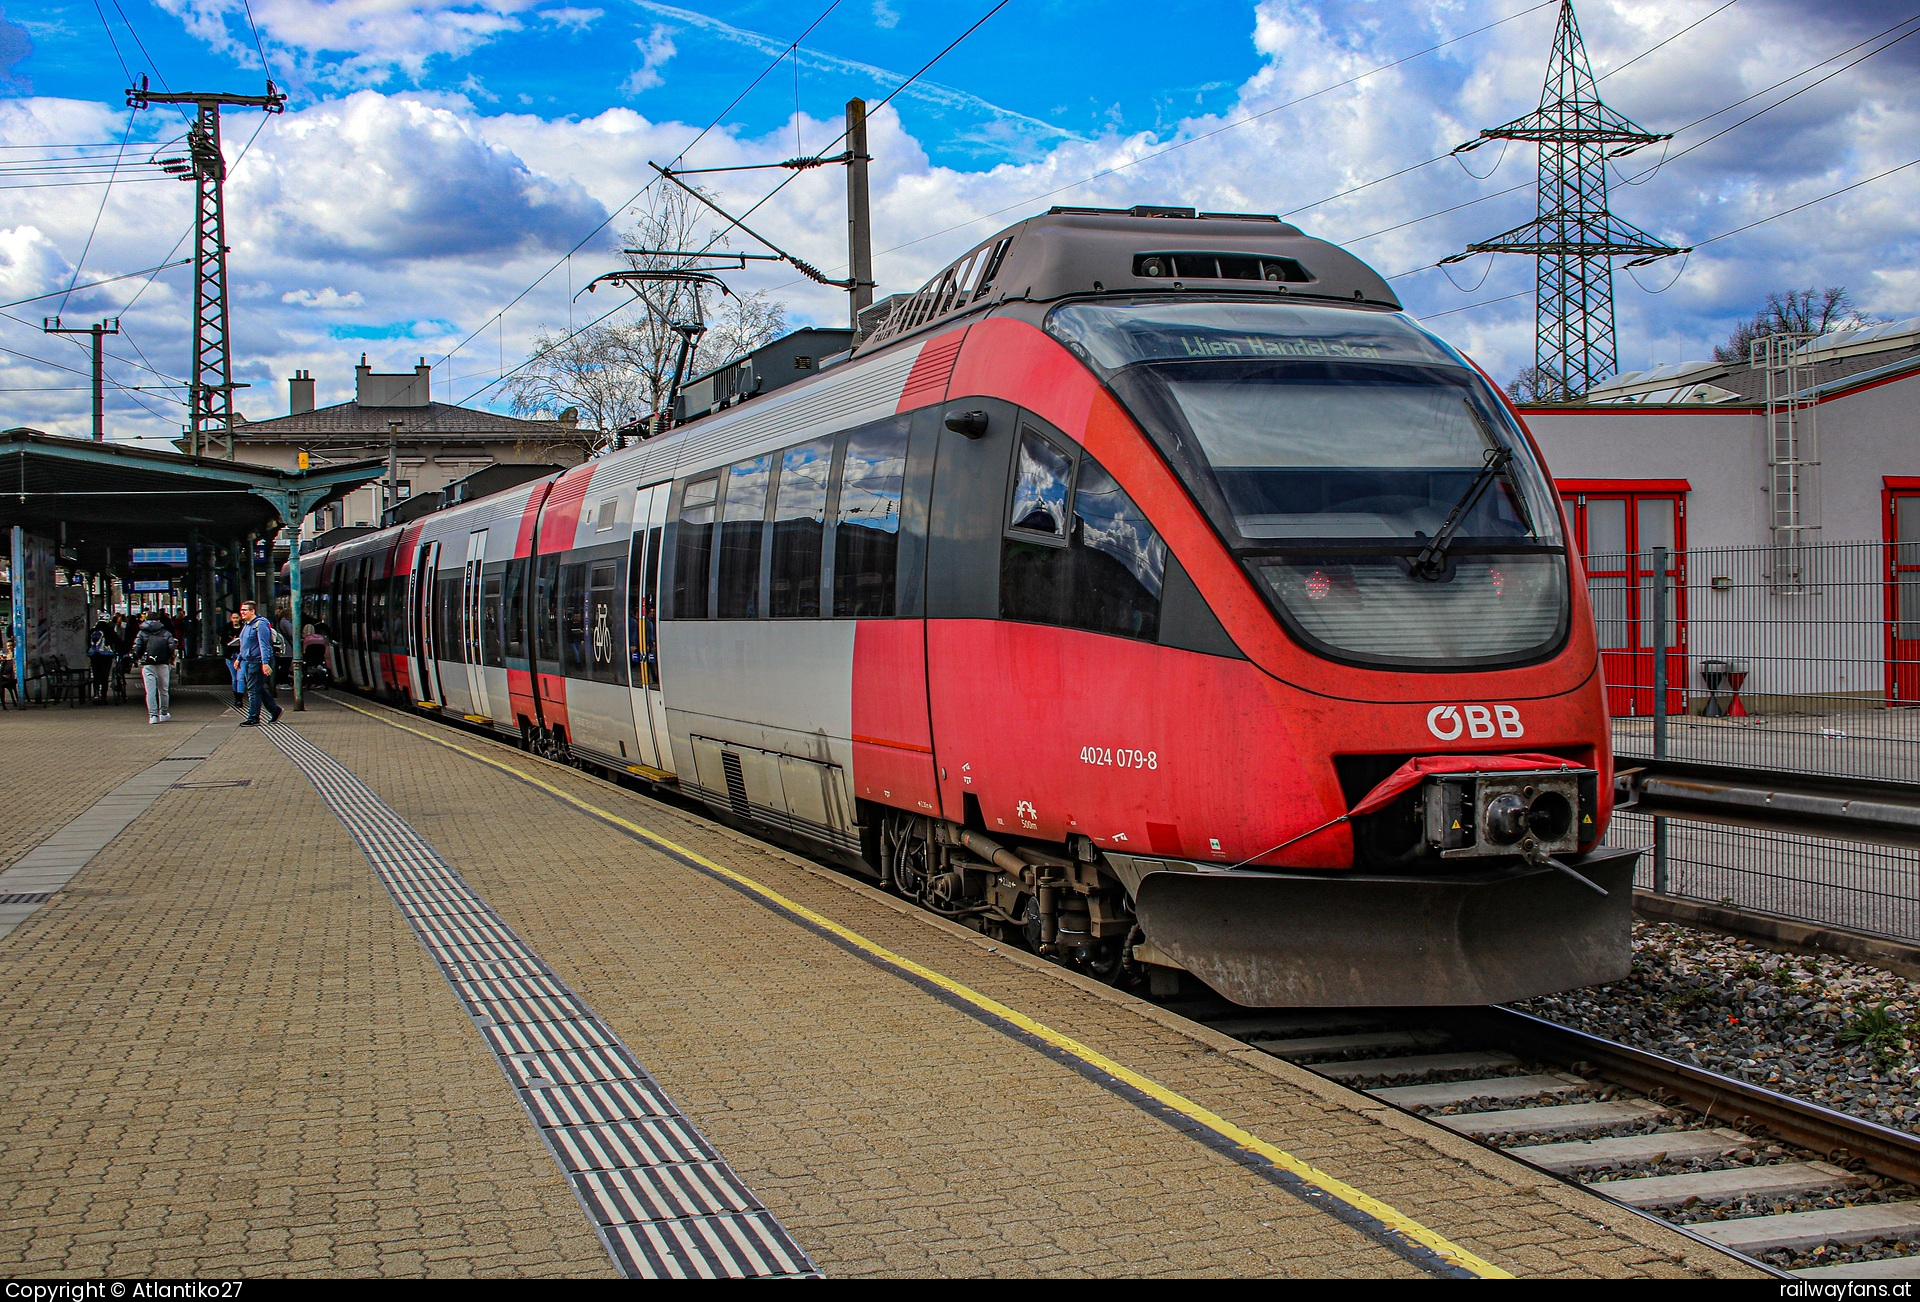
1617, 532
1903, 594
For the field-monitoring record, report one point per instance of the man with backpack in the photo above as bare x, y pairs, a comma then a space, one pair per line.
256, 653
153, 650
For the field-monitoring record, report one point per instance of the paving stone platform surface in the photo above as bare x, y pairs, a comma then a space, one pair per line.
225, 1052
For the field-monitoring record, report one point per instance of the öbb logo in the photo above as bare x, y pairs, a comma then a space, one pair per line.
1448, 721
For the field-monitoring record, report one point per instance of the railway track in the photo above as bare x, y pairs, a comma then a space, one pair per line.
1787, 1183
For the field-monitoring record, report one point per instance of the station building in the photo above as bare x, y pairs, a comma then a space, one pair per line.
1791, 485
394, 417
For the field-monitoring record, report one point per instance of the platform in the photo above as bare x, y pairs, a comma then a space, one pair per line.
362, 994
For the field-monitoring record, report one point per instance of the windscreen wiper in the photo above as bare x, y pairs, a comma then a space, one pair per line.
1431, 563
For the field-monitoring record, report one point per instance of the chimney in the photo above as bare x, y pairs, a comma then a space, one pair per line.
404, 389
300, 393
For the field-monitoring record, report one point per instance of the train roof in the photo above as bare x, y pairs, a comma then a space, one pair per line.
1142, 250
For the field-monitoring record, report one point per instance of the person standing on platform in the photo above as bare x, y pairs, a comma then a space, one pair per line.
153, 649
100, 656
235, 666
256, 653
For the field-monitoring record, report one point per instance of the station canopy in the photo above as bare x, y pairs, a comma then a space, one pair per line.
98, 496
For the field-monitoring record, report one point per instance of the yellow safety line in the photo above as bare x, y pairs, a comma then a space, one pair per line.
1167, 1098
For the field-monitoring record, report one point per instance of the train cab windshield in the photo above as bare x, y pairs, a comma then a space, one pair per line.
1359, 467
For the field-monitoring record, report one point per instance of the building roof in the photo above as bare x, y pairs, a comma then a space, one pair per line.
1824, 364
433, 421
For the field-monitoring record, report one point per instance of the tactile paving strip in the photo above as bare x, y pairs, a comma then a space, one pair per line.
662, 1200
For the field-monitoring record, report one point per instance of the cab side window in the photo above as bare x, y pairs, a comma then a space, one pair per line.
1077, 551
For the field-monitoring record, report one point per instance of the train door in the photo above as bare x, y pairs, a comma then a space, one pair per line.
643, 655
423, 639
1903, 592
1617, 532
471, 625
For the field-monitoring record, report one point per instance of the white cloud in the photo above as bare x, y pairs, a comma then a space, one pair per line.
435, 213
885, 15
328, 299
572, 16
30, 263
371, 37
656, 47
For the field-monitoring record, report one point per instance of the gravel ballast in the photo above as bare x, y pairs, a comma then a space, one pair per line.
1780, 1020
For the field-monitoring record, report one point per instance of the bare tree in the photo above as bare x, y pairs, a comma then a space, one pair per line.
1798, 311
1536, 384
620, 371
586, 372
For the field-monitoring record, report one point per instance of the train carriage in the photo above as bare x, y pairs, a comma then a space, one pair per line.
1148, 587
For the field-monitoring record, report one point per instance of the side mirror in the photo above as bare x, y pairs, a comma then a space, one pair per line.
973, 424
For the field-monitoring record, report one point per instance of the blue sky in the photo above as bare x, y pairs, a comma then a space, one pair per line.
439, 156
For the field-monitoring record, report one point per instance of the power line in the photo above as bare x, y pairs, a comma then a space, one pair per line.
101, 210
1783, 99
108, 280
615, 212
1715, 239
788, 179
1785, 212
1676, 36
264, 65
1182, 144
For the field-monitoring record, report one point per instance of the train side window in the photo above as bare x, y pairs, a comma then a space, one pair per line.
453, 606
866, 536
693, 549
513, 597
1118, 561
1043, 480
1107, 570
742, 527
799, 530
546, 610
604, 649
639, 615
490, 648
573, 609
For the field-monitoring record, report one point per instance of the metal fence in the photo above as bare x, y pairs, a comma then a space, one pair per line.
1845, 884
1800, 659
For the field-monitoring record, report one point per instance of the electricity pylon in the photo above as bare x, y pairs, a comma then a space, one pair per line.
210, 390
1574, 238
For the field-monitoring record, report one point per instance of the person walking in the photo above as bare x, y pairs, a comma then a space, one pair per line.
256, 653
153, 649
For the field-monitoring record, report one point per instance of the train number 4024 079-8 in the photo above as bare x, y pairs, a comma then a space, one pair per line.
1119, 757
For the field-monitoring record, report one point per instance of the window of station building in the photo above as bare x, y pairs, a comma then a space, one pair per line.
1078, 552
866, 547
800, 530
606, 649
693, 549
742, 526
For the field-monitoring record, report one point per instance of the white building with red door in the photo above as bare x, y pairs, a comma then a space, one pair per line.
1796, 482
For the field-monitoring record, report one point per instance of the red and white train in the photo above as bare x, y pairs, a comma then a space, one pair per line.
1149, 585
